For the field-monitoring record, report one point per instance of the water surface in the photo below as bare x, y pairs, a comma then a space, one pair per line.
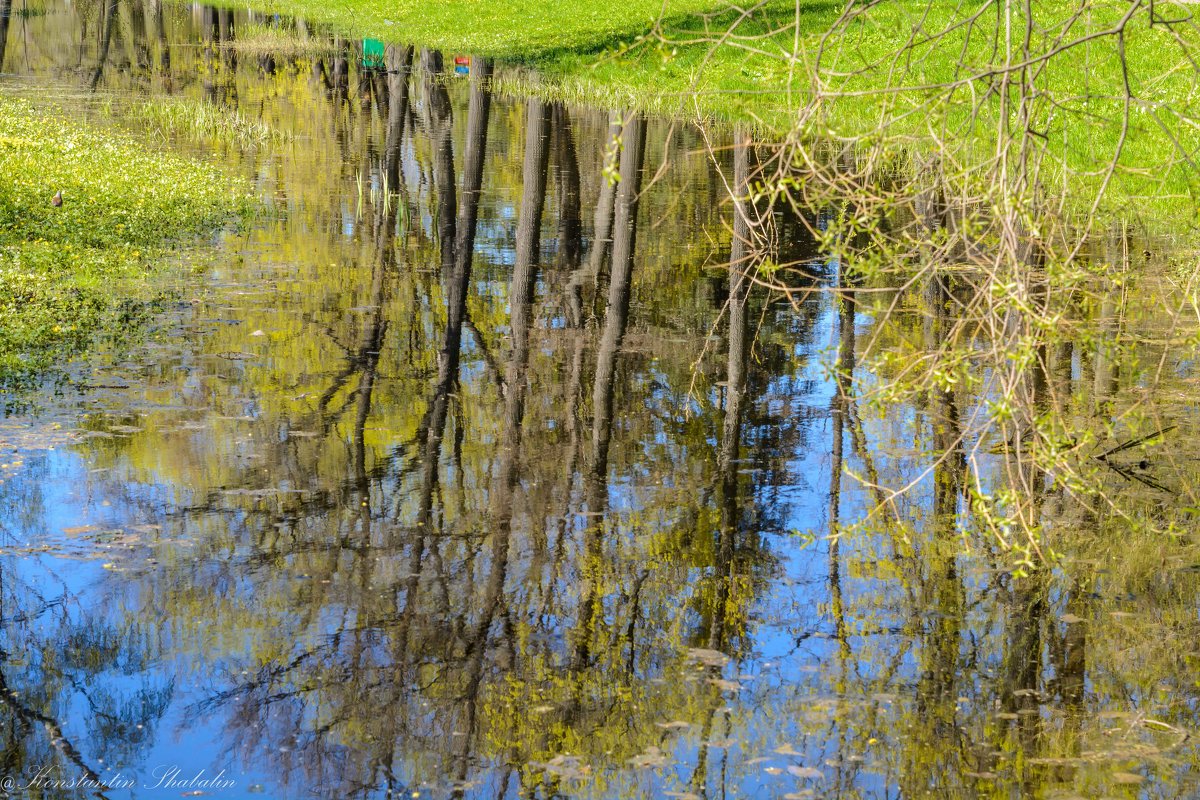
420, 483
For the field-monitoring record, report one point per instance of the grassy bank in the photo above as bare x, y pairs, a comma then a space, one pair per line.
64, 271
927, 76
600, 53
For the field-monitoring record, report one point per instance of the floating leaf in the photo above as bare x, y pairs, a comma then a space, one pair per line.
711, 658
1127, 777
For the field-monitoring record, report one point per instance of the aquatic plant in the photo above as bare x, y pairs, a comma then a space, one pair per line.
199, 120
279, 41
63, 268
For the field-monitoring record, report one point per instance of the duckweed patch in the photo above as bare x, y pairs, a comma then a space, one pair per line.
64, 270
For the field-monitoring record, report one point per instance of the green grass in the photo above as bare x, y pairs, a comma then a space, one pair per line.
65, 272
513, 30
1078, 113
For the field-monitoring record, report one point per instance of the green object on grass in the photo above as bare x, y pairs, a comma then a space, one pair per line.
373, 54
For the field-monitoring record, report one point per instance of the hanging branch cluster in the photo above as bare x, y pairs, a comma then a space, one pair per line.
994, 169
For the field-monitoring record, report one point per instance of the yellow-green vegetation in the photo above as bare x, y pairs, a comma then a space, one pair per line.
63, 270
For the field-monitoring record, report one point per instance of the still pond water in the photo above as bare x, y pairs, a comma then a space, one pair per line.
408, 488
